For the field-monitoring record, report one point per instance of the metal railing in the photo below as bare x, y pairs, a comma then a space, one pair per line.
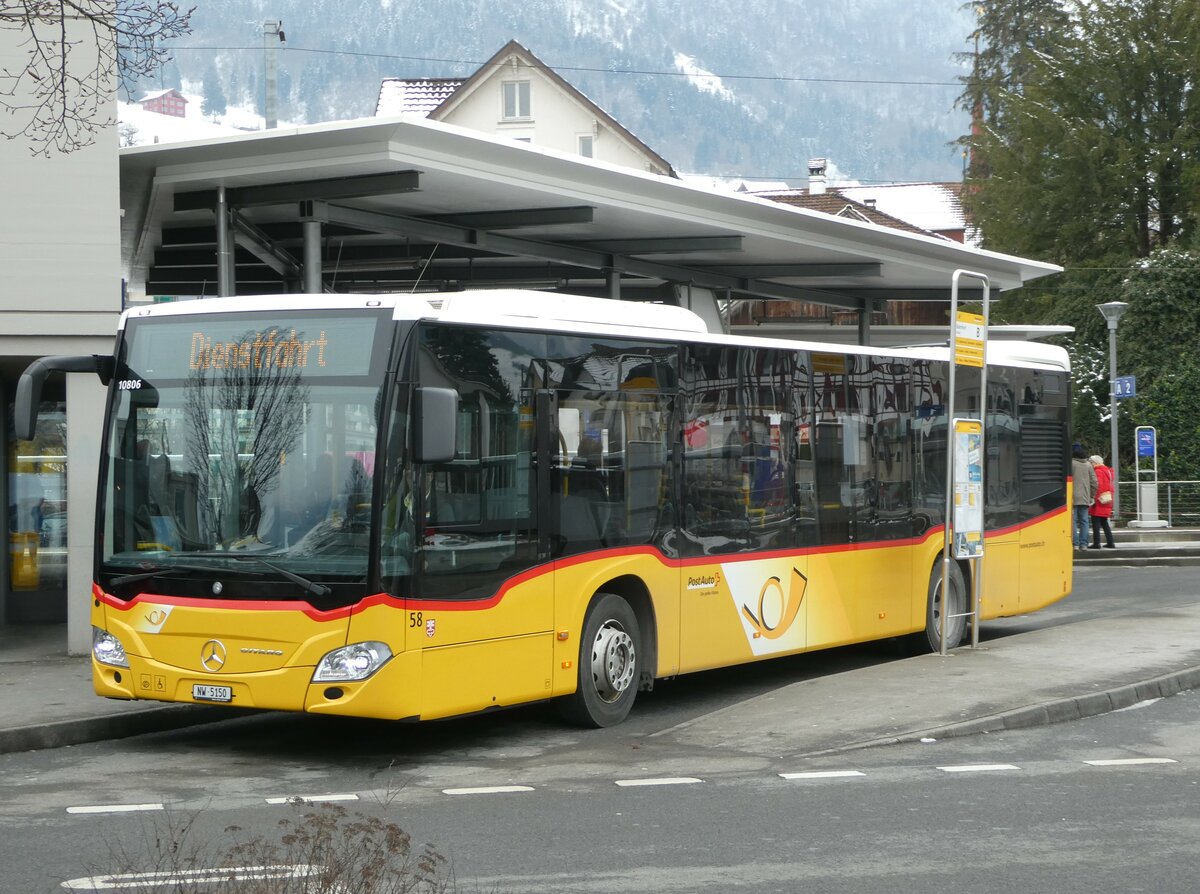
1178, 503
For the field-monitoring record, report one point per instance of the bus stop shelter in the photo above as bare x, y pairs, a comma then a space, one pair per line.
398, 205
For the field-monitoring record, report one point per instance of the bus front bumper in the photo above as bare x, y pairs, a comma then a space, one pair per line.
389, 693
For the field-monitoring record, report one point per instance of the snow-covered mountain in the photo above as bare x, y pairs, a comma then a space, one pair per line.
752, 89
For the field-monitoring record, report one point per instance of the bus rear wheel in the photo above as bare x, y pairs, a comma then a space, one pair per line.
955, 605
609, 665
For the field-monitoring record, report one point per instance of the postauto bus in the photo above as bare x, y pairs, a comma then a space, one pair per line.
422, 506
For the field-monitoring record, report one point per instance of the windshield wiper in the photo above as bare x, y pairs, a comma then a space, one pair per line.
124, 579
311, 587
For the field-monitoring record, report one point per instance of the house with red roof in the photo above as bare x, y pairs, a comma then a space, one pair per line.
165, 102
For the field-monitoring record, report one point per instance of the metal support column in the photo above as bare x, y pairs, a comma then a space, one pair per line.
226, 279
864, 321
312, 257
1112, 312
613, 277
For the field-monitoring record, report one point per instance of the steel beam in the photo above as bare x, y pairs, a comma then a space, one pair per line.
379, 222
796, 271
255, 241
662, 245
520, 217
298, 191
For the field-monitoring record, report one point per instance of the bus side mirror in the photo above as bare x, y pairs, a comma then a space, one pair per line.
29, 387
436, 414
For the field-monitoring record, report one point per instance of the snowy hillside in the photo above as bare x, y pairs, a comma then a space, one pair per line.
748, 90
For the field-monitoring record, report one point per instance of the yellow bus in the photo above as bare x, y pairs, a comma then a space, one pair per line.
414, 507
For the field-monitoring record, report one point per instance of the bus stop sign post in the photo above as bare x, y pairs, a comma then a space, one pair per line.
965, 450
1146, 442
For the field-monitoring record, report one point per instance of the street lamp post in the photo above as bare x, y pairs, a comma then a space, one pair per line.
1112, 312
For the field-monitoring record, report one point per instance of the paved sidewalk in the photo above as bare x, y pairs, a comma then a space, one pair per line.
47, 701
1053, 674
1050, 674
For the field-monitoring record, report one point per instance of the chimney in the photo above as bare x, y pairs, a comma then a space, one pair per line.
870, 203
816, 176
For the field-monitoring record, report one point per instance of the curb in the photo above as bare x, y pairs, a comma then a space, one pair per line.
115, 726
159, 719
1057, 711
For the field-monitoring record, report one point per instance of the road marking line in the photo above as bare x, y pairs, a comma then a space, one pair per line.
978, 768
487, 790
115, 808
182, 876
666, 780
312, 799
822, 774
1131, 761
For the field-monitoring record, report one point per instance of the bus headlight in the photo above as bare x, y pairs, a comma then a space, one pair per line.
107, 649
355, 662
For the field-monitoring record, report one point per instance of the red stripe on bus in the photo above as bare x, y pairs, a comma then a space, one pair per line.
244, 605
532, 573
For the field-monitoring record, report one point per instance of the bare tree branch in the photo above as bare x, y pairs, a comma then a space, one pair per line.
73, 54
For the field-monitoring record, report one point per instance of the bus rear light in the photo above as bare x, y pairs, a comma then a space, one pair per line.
354, 662
107, 649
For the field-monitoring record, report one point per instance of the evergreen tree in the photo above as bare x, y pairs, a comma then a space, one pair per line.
1093, 153
1007, 39
213, 102
1090, 160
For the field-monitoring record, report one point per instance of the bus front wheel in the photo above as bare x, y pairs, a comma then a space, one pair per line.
608, 668
955, 604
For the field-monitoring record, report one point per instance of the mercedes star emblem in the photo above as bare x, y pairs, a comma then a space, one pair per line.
212, 655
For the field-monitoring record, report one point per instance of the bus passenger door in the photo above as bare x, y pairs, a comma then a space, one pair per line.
1001, 588
483, 588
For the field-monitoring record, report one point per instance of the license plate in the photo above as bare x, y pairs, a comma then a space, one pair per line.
202, 692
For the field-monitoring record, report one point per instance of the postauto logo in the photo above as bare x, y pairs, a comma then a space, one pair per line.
769, 600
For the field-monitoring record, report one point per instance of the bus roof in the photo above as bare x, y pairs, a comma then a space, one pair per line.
577, 314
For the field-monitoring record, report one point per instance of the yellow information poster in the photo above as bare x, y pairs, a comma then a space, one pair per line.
968, 488
968, 339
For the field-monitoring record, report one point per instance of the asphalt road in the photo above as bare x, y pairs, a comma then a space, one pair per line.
1051, 823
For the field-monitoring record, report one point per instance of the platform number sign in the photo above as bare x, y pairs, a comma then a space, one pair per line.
1124, 386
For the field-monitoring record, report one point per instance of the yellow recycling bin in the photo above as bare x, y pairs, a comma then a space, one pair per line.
23, 550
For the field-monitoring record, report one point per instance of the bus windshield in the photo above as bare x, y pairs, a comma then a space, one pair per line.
237, 443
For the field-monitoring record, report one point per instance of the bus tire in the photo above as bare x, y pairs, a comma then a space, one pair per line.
934, 605
609, 665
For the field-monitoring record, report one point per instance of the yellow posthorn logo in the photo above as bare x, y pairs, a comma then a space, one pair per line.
783, 609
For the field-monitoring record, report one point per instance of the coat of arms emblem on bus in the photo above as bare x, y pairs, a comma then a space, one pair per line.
430, 627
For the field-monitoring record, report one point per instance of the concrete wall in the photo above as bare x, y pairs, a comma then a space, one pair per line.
60, 293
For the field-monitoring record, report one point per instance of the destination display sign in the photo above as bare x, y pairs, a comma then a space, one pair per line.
174, 347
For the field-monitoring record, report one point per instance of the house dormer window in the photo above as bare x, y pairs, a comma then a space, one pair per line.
516, 100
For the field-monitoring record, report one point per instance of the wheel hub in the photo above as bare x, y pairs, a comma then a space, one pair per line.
613, 661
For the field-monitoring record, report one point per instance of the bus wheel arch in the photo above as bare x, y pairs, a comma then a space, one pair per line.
613, 656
